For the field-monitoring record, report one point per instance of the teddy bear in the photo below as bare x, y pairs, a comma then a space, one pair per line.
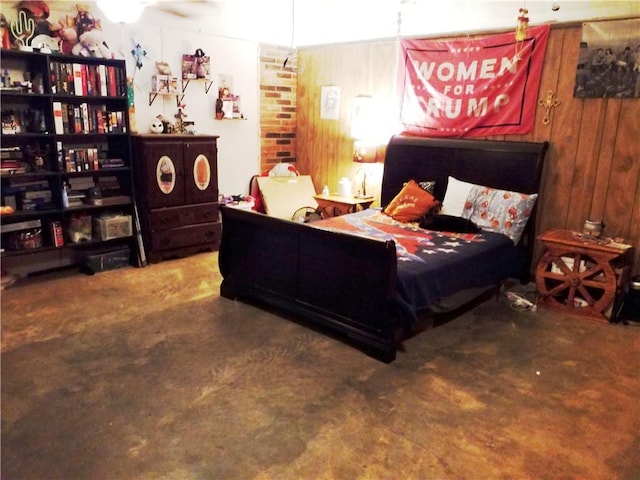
92, 44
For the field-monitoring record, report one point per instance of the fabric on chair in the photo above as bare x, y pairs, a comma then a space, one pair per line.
282, 196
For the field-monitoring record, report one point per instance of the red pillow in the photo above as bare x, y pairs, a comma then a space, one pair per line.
411, 204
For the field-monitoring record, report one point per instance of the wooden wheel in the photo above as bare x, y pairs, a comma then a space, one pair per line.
571, 280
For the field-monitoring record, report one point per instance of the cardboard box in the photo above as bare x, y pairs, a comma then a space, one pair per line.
112, 226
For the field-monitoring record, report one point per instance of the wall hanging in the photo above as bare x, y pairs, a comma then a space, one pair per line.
195, 66
330, 102
471, 86
609, 60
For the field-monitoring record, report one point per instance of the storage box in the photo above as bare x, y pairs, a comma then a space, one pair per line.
101, 260
112, 226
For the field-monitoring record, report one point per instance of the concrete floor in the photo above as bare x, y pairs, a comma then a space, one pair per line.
148, 374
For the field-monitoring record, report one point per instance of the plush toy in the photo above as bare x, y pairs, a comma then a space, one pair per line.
68, 37
92, 44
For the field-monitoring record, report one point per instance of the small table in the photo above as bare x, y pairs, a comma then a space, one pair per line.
580, 274
334, 205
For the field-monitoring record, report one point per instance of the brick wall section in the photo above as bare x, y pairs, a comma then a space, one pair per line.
277, 107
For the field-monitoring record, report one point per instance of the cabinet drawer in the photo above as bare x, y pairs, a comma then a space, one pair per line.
207, 233
172, 217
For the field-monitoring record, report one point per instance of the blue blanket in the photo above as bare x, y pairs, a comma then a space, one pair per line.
433, 265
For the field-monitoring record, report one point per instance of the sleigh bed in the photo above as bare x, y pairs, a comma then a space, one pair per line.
368, 276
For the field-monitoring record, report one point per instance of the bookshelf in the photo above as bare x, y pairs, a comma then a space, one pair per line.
66, 161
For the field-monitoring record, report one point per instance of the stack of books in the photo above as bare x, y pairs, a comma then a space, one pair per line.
11, 161
27, 193
77, 191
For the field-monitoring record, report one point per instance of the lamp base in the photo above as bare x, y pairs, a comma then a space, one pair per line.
363, 197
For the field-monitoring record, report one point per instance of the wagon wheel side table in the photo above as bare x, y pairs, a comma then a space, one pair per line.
581, 275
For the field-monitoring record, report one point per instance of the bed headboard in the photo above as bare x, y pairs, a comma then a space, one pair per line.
515, 166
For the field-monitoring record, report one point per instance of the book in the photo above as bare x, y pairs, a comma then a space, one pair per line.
12, 170
14, 227
111, 81
60, 156
111, 163
30, 195
77, 120
84, 112
57, 234
71, 122
10, 153
55, 77
76, 69
65, 117
102, 73
85, 85
112, 200
57, 118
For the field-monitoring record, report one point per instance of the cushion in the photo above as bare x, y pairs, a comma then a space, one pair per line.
411, 203
455, 197
428, 185
449, 223
499, 211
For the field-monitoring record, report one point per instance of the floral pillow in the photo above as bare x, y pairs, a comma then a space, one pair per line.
411, 203
499, 211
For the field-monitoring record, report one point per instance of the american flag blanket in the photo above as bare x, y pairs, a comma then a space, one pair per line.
431, 264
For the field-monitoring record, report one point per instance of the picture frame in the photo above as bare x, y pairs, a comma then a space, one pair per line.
330, 102
609, 60
196, 66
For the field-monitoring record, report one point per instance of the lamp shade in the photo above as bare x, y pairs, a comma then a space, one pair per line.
364, 152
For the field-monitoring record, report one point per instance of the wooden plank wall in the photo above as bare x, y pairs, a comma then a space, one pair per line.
593, 166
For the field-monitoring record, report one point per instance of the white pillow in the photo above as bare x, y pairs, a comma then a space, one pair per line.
455, 197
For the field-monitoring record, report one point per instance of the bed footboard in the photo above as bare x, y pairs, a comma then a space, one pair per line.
339, 281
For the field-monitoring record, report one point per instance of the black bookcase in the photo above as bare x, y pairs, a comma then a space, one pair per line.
66, 163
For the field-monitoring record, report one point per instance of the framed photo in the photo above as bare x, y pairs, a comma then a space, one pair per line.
195, 66
330, 102
609, 61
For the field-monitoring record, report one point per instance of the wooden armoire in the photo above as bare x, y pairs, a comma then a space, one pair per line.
177, 194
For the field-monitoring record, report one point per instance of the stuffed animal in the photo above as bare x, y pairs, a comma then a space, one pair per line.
92, 44
68, 37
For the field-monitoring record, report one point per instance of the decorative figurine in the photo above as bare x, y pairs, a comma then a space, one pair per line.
36, 156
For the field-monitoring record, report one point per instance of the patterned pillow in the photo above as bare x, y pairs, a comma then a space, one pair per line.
411, 203
429, 185
499, 211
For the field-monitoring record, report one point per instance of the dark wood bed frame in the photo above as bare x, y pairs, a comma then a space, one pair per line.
347, 283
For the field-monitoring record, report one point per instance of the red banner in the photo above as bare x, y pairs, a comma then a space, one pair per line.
471, 87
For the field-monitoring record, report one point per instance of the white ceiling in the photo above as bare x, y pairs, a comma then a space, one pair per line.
316, 22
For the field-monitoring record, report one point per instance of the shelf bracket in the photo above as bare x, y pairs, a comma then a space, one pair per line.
207, 85
152, 97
